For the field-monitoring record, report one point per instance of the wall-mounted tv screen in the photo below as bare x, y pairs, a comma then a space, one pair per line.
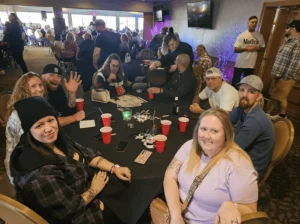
158, 14
200, 14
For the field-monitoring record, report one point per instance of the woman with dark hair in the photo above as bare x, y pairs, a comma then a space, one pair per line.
111, 75
52, 174
14, 32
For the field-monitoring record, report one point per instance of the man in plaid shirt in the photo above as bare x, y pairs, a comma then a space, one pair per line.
286, 70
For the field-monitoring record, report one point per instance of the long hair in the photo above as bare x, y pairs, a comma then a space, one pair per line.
42, 149
106, 66
21, 91
70, 37
201, 45
229, 144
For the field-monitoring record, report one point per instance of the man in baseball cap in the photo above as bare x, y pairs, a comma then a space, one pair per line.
218, 92
63, 103
254, 130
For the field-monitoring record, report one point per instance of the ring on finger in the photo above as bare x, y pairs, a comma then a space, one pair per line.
234, 222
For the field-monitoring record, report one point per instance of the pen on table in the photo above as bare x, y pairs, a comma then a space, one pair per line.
100, 110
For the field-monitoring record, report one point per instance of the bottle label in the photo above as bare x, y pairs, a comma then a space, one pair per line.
177, 110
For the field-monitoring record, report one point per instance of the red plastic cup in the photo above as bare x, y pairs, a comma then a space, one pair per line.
119, 90
151, 96
106, 120
106, 134
165, 127
79, 104
160, 143
183, 122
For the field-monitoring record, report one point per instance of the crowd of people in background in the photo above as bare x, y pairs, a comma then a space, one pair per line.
233, 131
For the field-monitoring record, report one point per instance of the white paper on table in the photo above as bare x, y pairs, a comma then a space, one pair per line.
87, 124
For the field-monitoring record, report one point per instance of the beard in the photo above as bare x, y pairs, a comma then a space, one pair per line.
52, 85
244, 103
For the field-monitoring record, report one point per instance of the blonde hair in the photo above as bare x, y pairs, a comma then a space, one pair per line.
70, 36
21, 91
229, 144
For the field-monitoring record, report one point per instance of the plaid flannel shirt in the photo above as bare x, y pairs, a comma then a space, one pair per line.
287, 63
54, 191
205, 61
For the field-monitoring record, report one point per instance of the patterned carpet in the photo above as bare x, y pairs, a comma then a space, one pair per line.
281, 194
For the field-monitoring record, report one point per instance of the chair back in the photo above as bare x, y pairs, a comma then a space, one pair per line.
12, 211
256, 218
157, 77
4, 98
284, 137
57, 51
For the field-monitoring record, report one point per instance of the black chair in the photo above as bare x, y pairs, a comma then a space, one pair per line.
157, 77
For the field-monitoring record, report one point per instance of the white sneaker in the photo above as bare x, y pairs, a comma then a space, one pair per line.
2, 72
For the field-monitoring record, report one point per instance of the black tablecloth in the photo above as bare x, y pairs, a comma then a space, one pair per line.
130, 200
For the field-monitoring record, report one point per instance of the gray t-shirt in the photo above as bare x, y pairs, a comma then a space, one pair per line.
254, 132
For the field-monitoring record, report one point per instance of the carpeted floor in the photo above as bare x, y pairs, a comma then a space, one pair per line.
282, 189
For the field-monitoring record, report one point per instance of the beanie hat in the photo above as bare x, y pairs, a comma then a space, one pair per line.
32, 109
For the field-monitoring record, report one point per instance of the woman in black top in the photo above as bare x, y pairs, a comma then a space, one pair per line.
15, 41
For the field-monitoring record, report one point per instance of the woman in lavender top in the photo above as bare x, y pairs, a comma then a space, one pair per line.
230, 188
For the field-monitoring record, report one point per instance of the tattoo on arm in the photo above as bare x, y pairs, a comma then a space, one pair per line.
175, 164
99, 161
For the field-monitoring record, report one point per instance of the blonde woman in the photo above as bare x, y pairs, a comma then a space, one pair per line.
70, 49
29, 84
230, 188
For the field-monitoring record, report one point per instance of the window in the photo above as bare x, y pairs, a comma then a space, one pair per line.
24, 17
3, 17
81, 20
110, 21
141, 24
127, 21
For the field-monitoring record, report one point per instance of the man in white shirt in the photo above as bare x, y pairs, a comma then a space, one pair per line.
246, 46
218, 92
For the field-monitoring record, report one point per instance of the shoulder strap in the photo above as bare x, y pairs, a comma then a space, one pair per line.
197, 181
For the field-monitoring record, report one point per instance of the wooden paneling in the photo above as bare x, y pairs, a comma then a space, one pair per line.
148, 25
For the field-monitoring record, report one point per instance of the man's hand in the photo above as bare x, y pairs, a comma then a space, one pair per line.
73, 83
123, 173
112, 77
152, 66
122, 90
173, 68
252, 48
154, 90
196, 100
80, 115
195, 108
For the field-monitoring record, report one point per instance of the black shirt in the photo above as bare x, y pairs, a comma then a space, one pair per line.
59, 102
169, 59
182, 84
109, 42
185, 48
86, 50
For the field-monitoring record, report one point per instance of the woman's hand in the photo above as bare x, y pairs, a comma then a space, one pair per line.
99, 181
123, 173
228, 213
112, 77
122, 90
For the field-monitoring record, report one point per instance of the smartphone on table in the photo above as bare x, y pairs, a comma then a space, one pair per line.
121, 146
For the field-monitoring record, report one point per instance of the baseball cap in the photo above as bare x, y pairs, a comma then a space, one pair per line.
295, 23
253, 81
99, 22
52, 68
213, 72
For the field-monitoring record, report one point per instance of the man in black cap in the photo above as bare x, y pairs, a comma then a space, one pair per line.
63, 103
285, 71
107, 43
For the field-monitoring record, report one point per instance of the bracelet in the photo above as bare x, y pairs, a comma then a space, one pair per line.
113, 168
75, 118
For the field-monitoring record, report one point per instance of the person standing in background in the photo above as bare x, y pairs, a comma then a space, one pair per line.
246, 46
15, 41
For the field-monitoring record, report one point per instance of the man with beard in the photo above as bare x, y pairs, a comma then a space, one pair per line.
218, 92
63, 103
246, 46
254, 131
285, 71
